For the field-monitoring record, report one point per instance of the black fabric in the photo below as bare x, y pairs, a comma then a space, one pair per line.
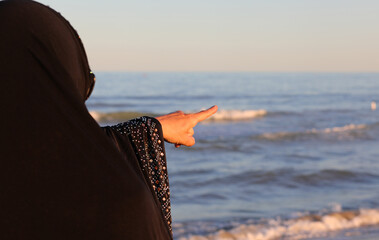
146, 137
60, 176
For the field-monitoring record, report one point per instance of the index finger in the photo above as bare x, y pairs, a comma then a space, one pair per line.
202, 115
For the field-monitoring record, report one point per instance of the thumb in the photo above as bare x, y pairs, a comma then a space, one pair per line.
190, 141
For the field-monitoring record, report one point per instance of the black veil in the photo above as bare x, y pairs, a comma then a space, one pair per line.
61, 177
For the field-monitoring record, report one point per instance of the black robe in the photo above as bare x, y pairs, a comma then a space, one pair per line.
61, 176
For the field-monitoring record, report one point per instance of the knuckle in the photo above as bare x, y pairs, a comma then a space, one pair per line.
191, 132
192, 142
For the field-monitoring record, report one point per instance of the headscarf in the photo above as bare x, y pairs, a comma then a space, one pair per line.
60, 176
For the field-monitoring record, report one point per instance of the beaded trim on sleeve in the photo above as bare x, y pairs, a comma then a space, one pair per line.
149, 145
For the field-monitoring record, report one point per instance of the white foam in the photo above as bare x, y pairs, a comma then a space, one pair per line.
222, 115
304, 227
237, 114
349, 127
116, 116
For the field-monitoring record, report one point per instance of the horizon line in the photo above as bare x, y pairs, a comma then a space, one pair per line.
218, 71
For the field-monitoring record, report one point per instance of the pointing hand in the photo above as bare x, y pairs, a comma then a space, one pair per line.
178, 126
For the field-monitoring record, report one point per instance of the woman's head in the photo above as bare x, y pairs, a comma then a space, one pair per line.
36, 40
45, 80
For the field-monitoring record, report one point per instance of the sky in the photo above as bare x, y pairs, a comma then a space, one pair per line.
227, 35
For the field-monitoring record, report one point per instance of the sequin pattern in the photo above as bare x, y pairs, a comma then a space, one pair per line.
149, 144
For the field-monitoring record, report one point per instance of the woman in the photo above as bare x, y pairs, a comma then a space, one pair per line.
61, 176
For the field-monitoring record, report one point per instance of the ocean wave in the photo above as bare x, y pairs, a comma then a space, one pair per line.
332, 176
252, 143
351, 131
222, 115
306, 226
114, 117
287, 177
284, 177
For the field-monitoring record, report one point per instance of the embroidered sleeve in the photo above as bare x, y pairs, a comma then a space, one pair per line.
146, 136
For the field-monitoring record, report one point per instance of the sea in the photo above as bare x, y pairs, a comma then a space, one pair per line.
287, 156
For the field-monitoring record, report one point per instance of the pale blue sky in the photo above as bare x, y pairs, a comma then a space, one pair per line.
225, 35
